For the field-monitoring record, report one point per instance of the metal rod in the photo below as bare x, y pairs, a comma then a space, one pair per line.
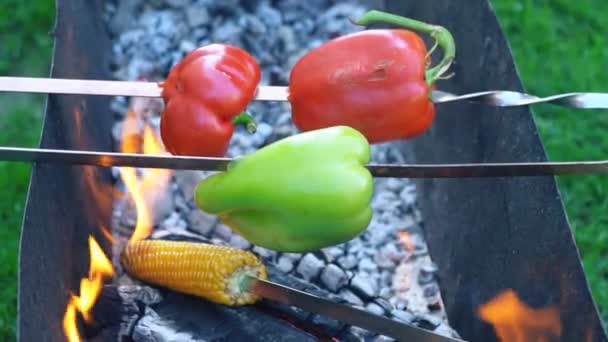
109, 88
350, 315
498, 98
107, 159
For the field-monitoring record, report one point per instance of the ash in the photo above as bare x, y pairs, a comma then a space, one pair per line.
387, 269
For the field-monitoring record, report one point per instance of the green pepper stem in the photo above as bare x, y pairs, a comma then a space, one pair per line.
442, 37
245, 119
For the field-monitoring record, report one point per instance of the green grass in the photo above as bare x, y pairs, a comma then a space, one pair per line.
562, 46
559, 46
25, 49
20, 126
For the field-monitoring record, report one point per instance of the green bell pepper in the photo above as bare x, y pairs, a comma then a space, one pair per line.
302, 193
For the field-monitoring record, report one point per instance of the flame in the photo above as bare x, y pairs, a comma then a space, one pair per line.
514, 321
407, 241
100, 269
144, 189
147, 189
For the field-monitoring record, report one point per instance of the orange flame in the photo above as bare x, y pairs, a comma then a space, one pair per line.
407, 241
514, 321
147, 189
100, 269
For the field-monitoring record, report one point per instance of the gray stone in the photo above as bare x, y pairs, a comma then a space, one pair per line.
197, 15
363, 286
285, 264
239, 242
333, 277
348, 262
350, 297
201, 222
310, 266
402, 315
375, 309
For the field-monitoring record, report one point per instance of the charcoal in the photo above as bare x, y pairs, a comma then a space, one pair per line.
200, 222
375, 309
239, 242
363, 286
332, 253
403, 316
265, 253
375, 270
350, 297
310, 266
197, 16
429, 322
285, 264
367, 265
333, 277
347, 262
223, 232
384, 304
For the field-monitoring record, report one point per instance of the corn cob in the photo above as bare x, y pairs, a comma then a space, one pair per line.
216, 273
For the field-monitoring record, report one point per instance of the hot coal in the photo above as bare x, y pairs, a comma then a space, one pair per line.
387, 269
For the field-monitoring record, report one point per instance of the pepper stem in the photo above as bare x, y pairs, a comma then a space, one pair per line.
245, 119
442, 37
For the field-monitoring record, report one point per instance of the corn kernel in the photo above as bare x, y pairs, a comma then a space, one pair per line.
216, 273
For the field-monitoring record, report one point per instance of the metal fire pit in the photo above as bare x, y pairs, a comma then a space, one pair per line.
486, 235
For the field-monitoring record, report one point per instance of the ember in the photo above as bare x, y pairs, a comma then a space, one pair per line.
514, 321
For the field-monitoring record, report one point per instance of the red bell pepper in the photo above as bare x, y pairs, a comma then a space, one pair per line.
204, 94
376, 81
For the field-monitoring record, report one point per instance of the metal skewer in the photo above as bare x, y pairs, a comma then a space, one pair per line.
107, 159
499, 98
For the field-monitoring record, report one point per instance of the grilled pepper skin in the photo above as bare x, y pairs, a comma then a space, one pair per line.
203, 93
302, 193
375, 81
